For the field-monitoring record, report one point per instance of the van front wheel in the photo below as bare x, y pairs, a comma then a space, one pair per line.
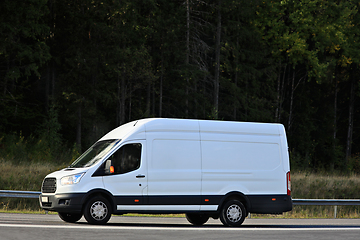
97, 210
233, 213
197, 219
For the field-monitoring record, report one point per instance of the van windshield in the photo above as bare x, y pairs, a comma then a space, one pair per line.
94, 153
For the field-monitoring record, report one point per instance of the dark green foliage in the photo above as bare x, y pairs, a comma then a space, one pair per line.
72, 70
23, 50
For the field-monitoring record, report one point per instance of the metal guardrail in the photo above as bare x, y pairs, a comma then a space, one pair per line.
327, 202
313, 202
19, 194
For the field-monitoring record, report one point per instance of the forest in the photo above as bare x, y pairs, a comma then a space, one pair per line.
72, 70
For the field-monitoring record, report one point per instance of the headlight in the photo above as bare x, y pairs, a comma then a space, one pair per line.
72, 179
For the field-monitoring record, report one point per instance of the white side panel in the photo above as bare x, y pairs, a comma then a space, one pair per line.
240, 156
284, 149
174, 164
256, 183
251, 164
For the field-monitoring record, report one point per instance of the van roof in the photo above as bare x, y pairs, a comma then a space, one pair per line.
192, 125
215, 126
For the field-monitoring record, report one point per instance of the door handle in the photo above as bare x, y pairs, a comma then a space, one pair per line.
140, 176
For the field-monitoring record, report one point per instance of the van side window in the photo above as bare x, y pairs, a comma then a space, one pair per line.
127, 158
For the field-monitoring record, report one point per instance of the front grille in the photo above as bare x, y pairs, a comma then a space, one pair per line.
49, 185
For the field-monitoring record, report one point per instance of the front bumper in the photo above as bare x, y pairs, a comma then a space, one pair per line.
70, 203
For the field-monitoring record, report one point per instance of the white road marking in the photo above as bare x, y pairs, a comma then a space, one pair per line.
104, 227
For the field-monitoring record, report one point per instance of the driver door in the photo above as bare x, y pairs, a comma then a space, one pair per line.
126, 178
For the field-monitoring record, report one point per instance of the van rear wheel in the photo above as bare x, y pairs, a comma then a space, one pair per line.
233, 213
70, 217
97, 210
197, 219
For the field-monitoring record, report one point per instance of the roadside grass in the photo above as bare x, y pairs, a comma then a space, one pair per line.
23, 177
29, 176
24, 211
325, 186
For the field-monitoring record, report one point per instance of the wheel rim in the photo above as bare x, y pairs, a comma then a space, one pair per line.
234, 213
98, 210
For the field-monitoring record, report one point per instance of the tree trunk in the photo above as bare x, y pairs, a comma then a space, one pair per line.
47, 88
332, 163
161, 88
291, 101
217, 63
121, 99
122, 117
130, 102
148, 100
78, 128
187, 60
49, 85
277, 111
153, 100
351, 122
236, 81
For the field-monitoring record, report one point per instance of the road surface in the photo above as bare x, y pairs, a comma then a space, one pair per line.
49, 226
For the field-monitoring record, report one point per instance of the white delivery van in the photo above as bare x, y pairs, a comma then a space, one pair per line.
202, 168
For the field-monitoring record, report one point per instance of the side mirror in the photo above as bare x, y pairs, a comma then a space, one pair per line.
108, 168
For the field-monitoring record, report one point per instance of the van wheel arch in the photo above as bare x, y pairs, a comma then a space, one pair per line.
235, 196
99, 192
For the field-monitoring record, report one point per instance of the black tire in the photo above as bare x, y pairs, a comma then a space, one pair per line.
70, 217
233, 213
197, 219
97, 210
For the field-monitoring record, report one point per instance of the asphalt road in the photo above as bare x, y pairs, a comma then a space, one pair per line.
41, 227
